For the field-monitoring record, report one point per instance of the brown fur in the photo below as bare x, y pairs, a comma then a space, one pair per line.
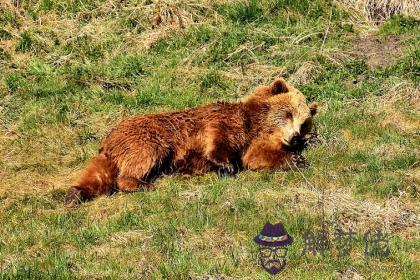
218, 137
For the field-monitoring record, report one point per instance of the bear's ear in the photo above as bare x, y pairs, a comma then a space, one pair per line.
279, 86
313, 107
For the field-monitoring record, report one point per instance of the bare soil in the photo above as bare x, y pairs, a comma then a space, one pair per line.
377, 52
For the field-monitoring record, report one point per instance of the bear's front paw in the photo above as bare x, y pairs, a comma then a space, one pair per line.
312, 139
73, 197
226, 169
298, 161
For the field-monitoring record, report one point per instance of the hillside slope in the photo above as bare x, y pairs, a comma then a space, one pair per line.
71, 69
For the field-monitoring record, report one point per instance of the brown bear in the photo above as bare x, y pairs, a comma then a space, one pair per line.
258, 132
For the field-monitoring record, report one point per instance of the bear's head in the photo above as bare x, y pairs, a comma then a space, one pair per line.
288, 110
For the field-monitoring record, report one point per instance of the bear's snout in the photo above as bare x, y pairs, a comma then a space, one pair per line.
295, 139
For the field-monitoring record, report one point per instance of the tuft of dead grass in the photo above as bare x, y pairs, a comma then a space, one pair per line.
401, 96
127, 237
212, 240
214, 277
304, 74
378, 11
345, 212
388, 151
403, 92
171, 16
349, 274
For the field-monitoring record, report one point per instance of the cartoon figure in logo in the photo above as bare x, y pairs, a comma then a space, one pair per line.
272, 253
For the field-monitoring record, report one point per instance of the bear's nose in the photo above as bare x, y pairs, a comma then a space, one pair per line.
295, 138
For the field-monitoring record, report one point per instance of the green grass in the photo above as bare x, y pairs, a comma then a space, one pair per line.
70, 70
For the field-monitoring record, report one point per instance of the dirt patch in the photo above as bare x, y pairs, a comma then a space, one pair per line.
377, 52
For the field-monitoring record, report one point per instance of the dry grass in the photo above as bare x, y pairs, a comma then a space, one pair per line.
304, 74
401, 97
345, 212
72, 69
378, 11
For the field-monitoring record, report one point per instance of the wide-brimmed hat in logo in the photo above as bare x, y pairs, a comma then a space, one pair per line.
273, 236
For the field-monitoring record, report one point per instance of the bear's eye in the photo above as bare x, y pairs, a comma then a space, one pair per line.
306, 126
289, 115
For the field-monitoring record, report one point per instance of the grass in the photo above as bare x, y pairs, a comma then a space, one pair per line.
70, 70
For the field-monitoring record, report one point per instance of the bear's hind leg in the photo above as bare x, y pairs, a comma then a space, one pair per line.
138, 172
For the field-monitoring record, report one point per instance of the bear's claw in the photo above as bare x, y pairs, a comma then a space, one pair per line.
73, 197
226, 169
312, 139
299, 161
